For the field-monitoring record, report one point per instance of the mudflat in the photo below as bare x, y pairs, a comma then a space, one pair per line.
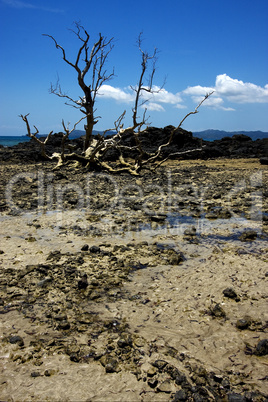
122, 288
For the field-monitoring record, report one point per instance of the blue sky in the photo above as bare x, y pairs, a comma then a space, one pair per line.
203, 45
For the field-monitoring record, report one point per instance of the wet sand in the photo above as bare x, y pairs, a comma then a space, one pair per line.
156, 290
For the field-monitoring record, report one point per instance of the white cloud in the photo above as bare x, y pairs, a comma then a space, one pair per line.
215, 102
24, 4
198, 90
161, 95
238, 91
153, 107
226, 90
109, 92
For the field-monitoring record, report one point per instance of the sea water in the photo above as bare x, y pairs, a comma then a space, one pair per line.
10, 141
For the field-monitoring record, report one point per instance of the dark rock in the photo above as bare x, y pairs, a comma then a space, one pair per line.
231, 294
85, 247
190, 232
16, 340
64, 325
124, 341
60, 317
160, 364
35, 374
180, 379
158, 218
94, 249
1, 252
74, 357
111, 366
83, 283
54, 256
152, 382
180, 396
264, 161
49, 372
262, 348
217, 311
243, 323
234, 397
248, 235
241, 137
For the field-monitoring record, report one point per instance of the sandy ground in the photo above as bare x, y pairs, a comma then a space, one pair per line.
176, 311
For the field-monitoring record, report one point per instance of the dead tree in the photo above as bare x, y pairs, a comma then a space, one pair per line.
88, 63
97, 147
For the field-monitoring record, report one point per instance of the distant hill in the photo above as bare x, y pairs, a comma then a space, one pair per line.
211, 135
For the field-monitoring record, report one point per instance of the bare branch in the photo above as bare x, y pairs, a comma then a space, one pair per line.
33, 135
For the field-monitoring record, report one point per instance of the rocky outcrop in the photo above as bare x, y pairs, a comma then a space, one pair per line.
237, 146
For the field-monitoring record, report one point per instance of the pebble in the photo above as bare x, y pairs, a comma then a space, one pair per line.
248, 235
16, 340
217, 311
243, 323
262, 348
94, 249
231, 294
85, 247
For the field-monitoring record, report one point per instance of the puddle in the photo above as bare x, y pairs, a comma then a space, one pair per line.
57, 223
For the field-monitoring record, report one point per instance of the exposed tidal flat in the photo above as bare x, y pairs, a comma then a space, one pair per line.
121, 288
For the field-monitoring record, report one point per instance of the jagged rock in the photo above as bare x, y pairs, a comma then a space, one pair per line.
262, 348
231, 294
16, 340
248, 235
217, 311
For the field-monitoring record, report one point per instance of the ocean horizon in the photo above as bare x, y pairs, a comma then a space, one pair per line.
207, 135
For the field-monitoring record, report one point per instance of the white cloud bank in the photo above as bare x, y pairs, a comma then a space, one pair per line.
226, 89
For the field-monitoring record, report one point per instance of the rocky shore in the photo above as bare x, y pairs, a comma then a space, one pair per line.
121, 288
237, 146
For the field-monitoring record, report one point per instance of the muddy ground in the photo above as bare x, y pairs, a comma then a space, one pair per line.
121, 288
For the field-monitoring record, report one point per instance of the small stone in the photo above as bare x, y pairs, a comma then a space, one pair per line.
124, 341
85, 247
49, 372
165, 386
63, 325
248, 235
1, 252
151, 371
180, 396
234, 397
83, 283
35, 374
243, 323
217, 311
94, 249
158, 218
16, 340
60, 317
262, 348
160, 364
190, 231
152, 382
30, 239
111, 366
231, 294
